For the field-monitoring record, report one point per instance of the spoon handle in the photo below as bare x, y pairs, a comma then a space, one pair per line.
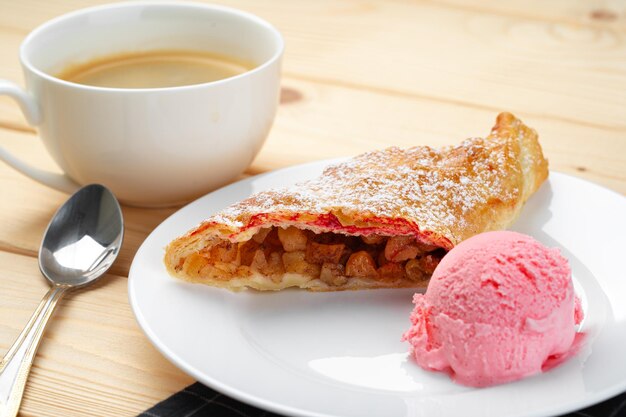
15, 365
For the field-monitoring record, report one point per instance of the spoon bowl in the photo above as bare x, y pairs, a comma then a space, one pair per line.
80, 244
83, 238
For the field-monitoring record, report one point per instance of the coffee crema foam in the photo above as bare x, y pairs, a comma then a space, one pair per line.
154, 69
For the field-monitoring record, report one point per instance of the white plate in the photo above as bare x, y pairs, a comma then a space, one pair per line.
339, 354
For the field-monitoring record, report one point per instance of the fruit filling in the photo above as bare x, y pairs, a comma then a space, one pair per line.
332, 258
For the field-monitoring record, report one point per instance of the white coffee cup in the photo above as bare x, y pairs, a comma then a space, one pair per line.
156, 146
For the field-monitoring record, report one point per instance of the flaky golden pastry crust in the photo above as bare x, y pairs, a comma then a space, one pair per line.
439, 196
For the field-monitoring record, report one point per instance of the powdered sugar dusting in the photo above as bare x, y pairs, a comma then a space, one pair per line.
452, 192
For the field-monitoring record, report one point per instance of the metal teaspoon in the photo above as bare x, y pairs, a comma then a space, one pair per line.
79, 245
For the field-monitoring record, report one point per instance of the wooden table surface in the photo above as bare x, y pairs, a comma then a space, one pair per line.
358, 75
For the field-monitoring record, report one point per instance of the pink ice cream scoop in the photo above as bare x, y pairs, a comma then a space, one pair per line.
499, 307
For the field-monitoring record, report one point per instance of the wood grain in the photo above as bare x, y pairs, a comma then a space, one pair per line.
358, 75
94, 360
442, 52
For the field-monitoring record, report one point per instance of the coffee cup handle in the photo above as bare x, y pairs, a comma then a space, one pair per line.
32, 113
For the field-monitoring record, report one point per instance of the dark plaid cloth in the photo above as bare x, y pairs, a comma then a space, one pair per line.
198, 400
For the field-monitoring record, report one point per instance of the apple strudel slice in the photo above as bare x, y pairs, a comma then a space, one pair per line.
383, 219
